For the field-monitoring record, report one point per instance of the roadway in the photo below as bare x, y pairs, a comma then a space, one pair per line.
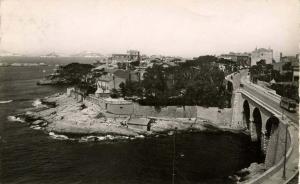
267, 97
271, 99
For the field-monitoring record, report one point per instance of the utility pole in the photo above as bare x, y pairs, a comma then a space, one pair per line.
282, 88
285, 147
174, 155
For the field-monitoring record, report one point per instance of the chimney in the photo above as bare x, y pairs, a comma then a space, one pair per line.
280, 57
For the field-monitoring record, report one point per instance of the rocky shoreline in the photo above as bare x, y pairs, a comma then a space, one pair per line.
63, 115
63, 118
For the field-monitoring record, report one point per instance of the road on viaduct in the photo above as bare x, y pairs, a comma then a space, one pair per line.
268, 97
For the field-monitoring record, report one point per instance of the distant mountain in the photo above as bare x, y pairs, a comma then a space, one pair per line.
52, 54
87, 54
4, 53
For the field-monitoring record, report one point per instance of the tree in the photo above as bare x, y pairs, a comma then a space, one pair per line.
114, 93
121, 65
131, 88
123, 89
154, 82
135, 63
75, 73
261, 62
287, 66
195, 82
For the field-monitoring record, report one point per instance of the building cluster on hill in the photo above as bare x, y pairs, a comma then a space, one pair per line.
119, 68
288, 64
249, 59
136, 74
281, 76
132, 65
241, 59
262, 54
266, 56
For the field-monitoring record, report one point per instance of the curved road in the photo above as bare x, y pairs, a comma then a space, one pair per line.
273, 100
266, 96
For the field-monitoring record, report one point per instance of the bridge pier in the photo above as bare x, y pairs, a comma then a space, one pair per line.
264, 122
264, 142
253, 133
271, 151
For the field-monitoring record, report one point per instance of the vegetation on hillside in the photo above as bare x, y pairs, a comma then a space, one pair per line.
282, 85
286, 90
265, 72
195, 82
76, 74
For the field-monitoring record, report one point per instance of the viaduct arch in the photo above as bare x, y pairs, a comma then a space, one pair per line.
265, 129
262, 120
257, 124
246, 114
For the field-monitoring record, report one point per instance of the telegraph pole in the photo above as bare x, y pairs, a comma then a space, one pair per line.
285, 147
174, 155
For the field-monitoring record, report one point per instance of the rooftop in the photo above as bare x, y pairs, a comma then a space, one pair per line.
262, 50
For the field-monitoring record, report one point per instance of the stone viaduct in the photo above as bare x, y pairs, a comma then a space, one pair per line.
263, 122
265, 126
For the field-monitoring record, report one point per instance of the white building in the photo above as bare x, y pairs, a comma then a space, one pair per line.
262, 54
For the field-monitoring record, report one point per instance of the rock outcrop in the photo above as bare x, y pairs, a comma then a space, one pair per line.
65, 115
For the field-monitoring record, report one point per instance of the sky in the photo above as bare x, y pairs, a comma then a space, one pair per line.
185, 28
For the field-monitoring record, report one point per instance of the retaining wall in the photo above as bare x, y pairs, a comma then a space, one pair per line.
168, 111
276, 146
111, 107
134, 109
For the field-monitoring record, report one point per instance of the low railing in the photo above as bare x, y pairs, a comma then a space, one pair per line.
291, 137
112, 101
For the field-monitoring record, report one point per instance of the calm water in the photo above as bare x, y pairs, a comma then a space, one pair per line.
31, 156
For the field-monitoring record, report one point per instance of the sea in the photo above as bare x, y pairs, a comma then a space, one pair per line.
29, 156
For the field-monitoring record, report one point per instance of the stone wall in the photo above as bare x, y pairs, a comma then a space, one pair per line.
276, 146
218, 116
77, 96
237, 112
111, 107
221, 117
69, 91
121, 109
169, 111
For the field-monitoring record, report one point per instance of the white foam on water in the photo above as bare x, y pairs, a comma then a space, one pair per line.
14, 118
110, 137
140, 136
5, 101
57, 136
120, 137
82, 140
37, 102
101, 138
125, 137
36, 127
170, 133
51, 133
